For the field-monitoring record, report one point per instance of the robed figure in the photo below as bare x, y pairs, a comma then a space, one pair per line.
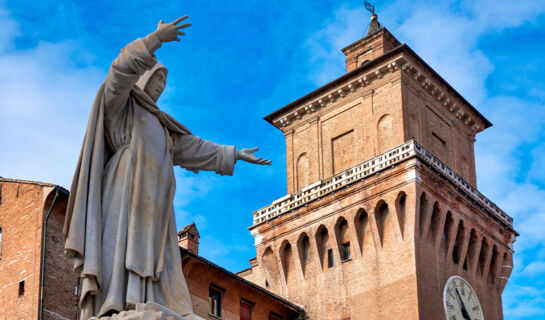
120, 228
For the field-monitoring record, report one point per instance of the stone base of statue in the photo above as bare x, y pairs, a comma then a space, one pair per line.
148, 311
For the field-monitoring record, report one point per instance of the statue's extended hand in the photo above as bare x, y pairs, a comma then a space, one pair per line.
167, 32
248, 156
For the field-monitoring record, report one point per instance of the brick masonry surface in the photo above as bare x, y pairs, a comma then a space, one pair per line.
381, 248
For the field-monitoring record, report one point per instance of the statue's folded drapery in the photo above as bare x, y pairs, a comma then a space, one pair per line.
120, 228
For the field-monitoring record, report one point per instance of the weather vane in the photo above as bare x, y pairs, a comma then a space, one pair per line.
370, 7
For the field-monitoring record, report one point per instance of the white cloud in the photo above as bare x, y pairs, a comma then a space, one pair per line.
537, 171
46, 101
535, 268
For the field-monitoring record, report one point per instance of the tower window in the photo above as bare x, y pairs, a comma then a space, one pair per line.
215, 295
345, 251
21, 288
330, 259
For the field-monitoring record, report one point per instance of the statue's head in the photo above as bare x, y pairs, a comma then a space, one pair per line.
153, 81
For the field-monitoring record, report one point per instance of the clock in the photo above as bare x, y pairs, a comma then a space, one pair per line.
461, 301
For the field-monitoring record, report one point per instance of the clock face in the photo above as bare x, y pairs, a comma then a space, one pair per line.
461, 301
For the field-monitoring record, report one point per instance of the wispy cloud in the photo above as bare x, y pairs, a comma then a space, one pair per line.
45, 102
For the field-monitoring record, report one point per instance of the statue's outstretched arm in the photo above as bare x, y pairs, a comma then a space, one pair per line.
135, 59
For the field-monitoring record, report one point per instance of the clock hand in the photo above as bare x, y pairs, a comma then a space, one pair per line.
464, 311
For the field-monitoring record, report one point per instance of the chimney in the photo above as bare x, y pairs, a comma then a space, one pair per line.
377, 42
188, 238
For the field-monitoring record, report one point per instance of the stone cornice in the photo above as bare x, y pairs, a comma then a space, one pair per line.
408, 150
459, 110
339, 92
281, 117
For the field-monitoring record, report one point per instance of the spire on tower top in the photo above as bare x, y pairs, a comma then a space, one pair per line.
374, 25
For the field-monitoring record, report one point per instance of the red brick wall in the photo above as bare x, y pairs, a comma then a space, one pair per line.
200, 276
436, 241
23, 207
21, 213
380, 279
59, 280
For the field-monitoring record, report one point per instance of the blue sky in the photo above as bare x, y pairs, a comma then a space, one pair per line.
242, 60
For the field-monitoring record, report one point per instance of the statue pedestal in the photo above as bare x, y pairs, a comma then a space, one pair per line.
148, 311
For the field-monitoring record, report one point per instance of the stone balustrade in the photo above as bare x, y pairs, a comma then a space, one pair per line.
409, 149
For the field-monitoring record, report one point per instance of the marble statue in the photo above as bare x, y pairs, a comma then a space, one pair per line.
120, 229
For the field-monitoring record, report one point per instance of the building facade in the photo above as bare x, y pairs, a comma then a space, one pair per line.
382, 219
36, 282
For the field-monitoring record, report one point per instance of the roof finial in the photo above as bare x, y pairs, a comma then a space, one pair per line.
374, 25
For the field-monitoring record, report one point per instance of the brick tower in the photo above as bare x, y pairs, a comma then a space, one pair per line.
382, 219
188, 238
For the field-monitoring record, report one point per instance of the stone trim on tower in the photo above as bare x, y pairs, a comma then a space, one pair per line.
393, 157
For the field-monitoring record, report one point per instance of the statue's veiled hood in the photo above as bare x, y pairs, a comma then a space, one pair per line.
143, 81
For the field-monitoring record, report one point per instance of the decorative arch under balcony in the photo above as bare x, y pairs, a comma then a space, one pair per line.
495, 265
305, 254
423, 208
434, 223
458, 243
342, 233
401, 204
448, 228
287, 261
325, 250
469, 260
363, 230
271, 269
384, 223
483, 255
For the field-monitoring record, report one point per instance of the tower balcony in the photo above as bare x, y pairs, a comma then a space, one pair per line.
408, 150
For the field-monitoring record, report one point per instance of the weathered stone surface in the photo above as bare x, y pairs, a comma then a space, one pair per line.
120, 224
148, 311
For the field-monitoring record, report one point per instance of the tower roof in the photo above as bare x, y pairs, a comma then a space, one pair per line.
374, 26
190, 228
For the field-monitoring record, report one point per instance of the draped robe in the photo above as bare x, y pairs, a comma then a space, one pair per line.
120, 228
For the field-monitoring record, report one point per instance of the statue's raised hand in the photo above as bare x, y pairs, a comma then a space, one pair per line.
167, 32
248, 156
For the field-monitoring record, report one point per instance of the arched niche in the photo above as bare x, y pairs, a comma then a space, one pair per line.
270, 267
305, 254
325, 251
434, 223
401, 204
363, 231
302, 171
458, 243
423, 209
287, 261
471, 249
343, 239
385, 131
384, 222
447, 230
481, 267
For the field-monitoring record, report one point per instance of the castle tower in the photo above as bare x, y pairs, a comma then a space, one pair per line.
382, 219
